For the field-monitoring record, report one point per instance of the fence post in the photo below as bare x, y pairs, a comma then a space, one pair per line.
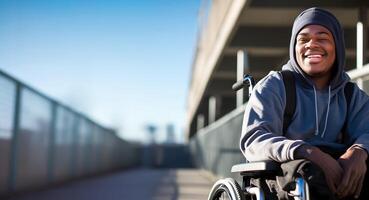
74, 158
242, 68
51, 152
14, 141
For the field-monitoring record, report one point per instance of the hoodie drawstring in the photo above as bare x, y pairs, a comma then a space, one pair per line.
316, 112
326, 117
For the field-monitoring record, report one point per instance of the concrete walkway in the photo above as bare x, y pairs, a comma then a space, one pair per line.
138, 184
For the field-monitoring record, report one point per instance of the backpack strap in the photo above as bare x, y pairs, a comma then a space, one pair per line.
290, 88
349, 89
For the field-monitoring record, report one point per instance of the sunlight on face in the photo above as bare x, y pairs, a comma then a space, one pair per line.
315, 51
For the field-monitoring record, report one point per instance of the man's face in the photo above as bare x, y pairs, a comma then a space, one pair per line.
315, 51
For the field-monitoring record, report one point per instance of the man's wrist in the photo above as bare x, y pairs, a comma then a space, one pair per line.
305, 152
361, 151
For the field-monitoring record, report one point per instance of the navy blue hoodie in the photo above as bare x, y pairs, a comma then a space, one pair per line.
319, 115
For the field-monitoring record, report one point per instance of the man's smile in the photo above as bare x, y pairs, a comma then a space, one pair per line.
314, 57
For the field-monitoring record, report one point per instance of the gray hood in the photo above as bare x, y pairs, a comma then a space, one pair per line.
321, 17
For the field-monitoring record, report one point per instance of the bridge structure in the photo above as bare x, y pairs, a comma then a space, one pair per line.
50, 151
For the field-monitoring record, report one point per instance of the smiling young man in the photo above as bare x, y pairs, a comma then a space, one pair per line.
327, 131
315, 53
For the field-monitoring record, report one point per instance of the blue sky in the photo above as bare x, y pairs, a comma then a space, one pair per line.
124, 63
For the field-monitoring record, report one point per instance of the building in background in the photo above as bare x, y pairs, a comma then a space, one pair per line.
170, 134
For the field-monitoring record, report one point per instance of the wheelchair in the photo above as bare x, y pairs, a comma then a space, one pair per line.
230, 189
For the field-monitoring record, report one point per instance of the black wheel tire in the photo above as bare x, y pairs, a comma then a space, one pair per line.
228, 187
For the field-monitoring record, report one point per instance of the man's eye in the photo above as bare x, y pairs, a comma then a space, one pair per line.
323, 39
302, 40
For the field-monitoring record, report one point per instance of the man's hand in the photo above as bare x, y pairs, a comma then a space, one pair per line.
353, 162
332, 170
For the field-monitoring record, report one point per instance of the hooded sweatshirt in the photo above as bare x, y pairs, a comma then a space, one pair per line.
319, 114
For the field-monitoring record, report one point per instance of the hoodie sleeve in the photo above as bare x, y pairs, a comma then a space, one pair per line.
358, 118
262, 137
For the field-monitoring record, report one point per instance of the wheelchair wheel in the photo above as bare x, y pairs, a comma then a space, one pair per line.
226, 189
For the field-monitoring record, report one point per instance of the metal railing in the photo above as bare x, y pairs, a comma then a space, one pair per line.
43, 141
361, 76
216, 147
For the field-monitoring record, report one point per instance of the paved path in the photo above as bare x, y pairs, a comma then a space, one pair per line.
139, 184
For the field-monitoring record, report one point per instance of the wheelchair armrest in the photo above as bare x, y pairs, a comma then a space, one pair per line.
257, 168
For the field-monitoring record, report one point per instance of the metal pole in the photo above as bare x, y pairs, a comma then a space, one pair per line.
364, 20
51, 151
14, 142
200, 121
359, 45
73, 162
212, 109
361, 40
242, 68
89, 148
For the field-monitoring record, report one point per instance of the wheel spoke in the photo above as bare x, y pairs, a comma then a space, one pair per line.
224, 196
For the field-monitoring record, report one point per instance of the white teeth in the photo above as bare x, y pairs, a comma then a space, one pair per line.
314, 56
